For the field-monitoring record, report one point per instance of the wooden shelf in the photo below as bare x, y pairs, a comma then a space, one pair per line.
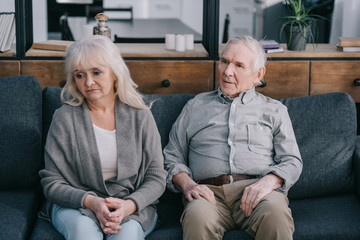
311, 51
135, 50
11, 53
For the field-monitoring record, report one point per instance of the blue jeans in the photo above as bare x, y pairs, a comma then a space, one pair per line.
73, 225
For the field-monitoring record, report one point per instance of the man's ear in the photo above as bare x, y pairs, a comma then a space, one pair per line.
261, 73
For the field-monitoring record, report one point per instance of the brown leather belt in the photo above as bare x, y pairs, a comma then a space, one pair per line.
218, 181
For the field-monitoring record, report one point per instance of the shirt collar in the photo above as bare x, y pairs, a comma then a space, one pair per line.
244, 97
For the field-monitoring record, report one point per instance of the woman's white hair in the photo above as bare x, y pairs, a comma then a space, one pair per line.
260, 55
93, 52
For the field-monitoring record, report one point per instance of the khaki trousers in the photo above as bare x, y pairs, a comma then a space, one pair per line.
271, 219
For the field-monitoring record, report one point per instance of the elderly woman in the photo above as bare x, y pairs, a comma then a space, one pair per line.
103, 159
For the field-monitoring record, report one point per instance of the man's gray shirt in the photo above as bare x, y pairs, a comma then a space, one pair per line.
215, 135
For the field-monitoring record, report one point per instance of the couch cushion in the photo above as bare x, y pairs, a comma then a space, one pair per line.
20, 127
324, 218
325, 129
357, 165
43, 230
18, 210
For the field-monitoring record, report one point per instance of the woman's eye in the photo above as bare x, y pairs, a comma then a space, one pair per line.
97, 73
79, 75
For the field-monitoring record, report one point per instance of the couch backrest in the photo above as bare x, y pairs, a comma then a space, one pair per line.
20, 132
324, 125
51, 102
165, 109
325, 129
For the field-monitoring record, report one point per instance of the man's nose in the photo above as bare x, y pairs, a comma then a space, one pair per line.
229, 70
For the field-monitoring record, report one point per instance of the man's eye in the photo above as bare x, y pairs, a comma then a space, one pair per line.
239, 65
224, 61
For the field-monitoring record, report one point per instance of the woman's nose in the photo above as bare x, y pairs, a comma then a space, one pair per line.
89, 80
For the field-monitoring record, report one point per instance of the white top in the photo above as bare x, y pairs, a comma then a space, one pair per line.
106, 143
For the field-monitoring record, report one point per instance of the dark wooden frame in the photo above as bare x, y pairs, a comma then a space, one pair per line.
24, 27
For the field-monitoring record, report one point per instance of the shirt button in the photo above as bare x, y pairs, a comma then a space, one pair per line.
244, 100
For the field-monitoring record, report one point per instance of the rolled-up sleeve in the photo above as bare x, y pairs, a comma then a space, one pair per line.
176, 151
287, 160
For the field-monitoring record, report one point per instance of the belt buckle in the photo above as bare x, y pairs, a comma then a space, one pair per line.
231, 179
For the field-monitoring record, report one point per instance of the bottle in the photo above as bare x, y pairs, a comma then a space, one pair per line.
102, 28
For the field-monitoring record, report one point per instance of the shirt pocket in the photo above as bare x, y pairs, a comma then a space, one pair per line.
259, 138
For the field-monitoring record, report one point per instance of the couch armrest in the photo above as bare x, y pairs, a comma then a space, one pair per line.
357, 165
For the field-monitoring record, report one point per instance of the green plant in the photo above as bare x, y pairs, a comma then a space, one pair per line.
300, 17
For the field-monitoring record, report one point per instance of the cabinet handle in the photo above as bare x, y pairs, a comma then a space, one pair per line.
357, 82
165, 83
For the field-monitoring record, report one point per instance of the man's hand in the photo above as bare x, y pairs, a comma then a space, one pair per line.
255, 192
197, 191
191, 189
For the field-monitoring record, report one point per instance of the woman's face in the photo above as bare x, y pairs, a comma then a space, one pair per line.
95, 84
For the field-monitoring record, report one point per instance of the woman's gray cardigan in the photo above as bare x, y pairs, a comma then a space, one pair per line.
73, 168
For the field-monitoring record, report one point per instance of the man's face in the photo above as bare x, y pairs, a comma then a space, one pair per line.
236, 70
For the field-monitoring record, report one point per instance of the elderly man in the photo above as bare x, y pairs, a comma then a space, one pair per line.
233, 154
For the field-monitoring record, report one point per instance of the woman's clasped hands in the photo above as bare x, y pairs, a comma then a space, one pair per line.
110, 212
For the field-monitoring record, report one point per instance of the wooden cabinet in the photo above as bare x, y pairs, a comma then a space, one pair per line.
9, 68
165, 77
47, 72
335, 76
288, 74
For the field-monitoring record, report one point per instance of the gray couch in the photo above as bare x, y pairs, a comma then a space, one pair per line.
324, 202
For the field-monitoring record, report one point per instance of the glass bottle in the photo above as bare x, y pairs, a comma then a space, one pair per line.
102, 28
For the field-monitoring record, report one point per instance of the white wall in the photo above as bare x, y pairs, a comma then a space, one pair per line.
345, 20
189, 11
7, 6
39, 20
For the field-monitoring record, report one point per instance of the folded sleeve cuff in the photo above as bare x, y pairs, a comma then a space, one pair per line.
286, 185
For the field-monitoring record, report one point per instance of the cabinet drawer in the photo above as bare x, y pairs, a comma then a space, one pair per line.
183, 76
9, 68
335, 76
49, 73
286, 79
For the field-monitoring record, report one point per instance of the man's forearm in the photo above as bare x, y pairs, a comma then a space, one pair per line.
182, 181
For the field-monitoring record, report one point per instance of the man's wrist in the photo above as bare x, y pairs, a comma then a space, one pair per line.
183, 181
275, 180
